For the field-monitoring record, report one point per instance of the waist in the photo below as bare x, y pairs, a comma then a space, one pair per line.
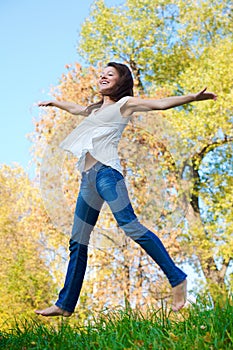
89, 161
96, 167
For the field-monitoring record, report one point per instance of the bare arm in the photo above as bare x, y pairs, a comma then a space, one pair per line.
70, 107
140, 105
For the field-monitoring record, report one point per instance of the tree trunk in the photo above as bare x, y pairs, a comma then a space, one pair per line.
215, 278
126, 275
137, 76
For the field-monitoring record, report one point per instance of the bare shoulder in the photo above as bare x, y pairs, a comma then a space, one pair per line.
132, 105
133, 101
137, 104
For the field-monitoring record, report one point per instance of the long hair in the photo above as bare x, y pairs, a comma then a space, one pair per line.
124, 86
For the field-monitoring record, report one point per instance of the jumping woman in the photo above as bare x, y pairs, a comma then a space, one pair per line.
95, 142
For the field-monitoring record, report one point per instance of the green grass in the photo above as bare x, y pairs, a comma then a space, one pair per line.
198, 327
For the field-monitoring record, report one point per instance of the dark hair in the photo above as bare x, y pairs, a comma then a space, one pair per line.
123, 88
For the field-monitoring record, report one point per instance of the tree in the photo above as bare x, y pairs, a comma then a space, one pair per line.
174, 48
159, 46
139, 33
158, 39
205, 135
25, 280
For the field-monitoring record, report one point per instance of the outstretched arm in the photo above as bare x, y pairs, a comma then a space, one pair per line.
135, 104
70, 107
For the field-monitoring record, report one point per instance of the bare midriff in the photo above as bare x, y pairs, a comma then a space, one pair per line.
89, 161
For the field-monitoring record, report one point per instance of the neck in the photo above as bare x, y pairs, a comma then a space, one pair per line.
107, 100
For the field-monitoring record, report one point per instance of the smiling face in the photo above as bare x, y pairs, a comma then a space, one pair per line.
108, 79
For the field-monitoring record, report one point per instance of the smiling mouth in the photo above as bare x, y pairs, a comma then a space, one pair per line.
104, 83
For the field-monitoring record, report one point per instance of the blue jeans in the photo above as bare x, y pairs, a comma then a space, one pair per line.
99, 184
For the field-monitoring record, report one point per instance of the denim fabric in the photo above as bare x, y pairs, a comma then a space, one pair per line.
99, 184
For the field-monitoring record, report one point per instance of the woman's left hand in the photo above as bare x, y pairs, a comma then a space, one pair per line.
204, 95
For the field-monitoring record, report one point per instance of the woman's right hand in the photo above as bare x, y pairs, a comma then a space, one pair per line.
45, 103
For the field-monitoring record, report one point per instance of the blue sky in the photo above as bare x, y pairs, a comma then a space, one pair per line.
38, 38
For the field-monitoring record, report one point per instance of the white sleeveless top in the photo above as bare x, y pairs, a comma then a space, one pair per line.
99, 134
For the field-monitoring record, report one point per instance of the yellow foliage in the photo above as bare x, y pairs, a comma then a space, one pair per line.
25, 281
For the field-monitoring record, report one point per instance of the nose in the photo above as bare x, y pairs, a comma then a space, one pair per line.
103, 77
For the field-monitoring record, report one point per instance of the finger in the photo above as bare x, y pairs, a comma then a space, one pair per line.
202, 91
43, 103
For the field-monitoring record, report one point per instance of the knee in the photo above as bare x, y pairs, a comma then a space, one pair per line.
134, 229
81, 231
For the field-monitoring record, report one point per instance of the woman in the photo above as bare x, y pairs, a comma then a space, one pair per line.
95, 143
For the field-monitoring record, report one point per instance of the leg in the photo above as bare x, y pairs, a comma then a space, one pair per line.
69, 294
87, 210
112, 188
177, 278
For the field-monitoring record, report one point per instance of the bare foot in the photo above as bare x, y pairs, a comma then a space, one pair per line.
179, 296
53, 311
